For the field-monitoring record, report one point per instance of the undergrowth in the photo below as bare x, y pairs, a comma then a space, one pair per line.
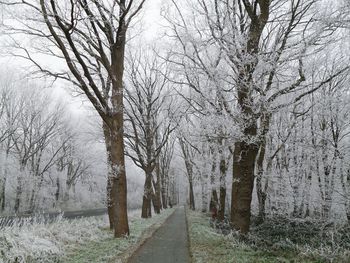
276, 240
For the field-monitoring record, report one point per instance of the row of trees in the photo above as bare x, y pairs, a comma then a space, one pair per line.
248, 85
49, 160
87, 42
256, 86
151, 120
89, 39
42, 160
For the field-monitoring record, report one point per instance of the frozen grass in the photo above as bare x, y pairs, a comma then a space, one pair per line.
79, 240
109, 249
264, 244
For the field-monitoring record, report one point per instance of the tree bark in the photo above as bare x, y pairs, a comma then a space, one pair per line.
347, 208
157, 190
18, 193
58, 189
204, 186
3, 180
147, 196
108, 144
118, 185
164, 194
261, 191
192, 202
2, 193
116, 125
164, 201
222, 199
213, 205
244, 156
242, 185
246, 149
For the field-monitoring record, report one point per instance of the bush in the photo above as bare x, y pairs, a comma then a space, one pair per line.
319, 240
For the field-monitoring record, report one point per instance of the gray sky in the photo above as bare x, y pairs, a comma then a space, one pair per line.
152, 18
151, 27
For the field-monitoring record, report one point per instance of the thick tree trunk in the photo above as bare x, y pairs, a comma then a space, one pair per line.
147, 196
164, 201
149, 208
2, 193
108, 144
260, 189
204, 185
246, 149
32, 198
164, 193
244, 155
18, 194
222, 198
3, 181
261, 201
261, 194
58, 190
222, 204
115, 122
192, 202
118, 191
110, 207
242, 185
157, 191
213, 205
157, 200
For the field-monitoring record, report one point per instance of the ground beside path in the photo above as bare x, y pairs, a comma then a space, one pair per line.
276, 240
169, 244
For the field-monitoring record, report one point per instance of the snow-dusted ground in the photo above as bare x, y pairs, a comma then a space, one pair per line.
79, 240
208, 245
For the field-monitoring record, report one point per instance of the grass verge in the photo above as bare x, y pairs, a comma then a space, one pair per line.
109, 249
209, 246
73, 241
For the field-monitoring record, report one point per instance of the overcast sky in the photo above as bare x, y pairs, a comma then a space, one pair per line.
151, 26
152, 18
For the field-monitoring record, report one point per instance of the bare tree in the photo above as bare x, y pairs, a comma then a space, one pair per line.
150, 117
73, 165
10, 110
90, 38
242, 49
165, 158
37, 125
188, 154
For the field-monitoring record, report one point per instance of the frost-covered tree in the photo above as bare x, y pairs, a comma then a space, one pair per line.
37, 141
254, 55
88, 41
150, 120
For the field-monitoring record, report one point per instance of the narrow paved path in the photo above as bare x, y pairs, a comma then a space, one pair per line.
168, 245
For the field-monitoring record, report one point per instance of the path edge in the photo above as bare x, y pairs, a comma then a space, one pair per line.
188, 235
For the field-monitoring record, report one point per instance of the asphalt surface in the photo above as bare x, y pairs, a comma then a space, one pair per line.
169, 244
48, 217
